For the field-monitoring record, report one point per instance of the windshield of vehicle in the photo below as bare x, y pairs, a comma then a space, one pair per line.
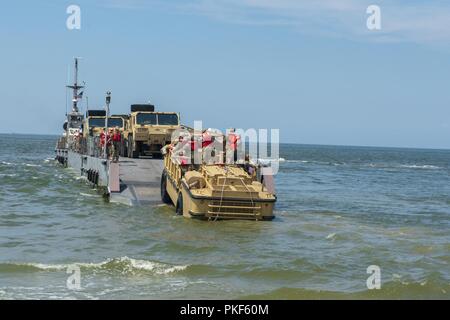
146, 118
115, 122
100, 122
168, 119
96, 122
75, 121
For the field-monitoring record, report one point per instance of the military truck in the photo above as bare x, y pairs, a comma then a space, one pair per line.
215, 191
95, 122
148, 131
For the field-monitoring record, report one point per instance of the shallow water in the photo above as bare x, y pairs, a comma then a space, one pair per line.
339, 210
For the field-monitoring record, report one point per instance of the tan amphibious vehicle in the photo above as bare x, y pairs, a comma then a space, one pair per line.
214, 189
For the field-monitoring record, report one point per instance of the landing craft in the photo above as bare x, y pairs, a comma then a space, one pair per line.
134, 181
75, 118
73, 124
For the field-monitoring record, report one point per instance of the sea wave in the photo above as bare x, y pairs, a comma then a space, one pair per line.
9, 175
370, 165
267, 161
389, 290
316, 162
31, 165
87, 195
123, 265
425, 166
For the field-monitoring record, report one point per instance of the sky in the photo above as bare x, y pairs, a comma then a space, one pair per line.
311, 69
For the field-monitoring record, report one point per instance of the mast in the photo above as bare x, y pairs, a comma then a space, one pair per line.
75, 87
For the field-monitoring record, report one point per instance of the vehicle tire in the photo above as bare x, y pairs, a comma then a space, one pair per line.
164, 195
179, 207
125, 148
136, 153
157, 156
131, 152
129, 146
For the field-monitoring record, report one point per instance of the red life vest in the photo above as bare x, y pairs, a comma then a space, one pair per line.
193, 145
206, 140
102, 138
117, 137
232, 140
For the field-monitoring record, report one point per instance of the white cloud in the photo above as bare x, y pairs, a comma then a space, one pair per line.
402, 20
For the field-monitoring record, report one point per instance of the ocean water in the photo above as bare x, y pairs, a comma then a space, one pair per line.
339, 210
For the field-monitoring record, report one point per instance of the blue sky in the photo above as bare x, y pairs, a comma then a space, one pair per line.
309, 68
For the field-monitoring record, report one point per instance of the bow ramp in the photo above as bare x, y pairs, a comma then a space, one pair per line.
139, 181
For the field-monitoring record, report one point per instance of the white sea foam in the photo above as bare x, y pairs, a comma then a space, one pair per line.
414, 166
124, 265
267, 161
156, 267
10, 175
331, 236
31, 165
89, 195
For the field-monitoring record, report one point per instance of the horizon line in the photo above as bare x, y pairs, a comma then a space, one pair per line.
294, 143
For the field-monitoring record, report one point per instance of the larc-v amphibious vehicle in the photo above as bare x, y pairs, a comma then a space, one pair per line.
214, 191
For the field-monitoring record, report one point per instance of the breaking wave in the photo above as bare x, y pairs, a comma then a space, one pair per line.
267, 161
425, 166
10, 175
31, 165
123, 265
370, 165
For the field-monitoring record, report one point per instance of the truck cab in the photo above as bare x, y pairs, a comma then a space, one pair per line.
148, 130
95, 122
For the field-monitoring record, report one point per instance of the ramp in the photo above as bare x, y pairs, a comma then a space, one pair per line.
139, 182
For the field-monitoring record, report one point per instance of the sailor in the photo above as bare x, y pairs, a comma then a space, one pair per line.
208, 147
248, 167
207, 139
116, 140
102, 140
109, 145
233, 140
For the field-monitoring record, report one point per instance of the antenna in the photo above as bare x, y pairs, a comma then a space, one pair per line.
68, 75
75, 87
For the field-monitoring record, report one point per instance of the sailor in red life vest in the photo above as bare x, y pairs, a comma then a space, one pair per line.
109, 135
206, 139
181, 148
116, 140
233, 140
209, 151
102, 141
